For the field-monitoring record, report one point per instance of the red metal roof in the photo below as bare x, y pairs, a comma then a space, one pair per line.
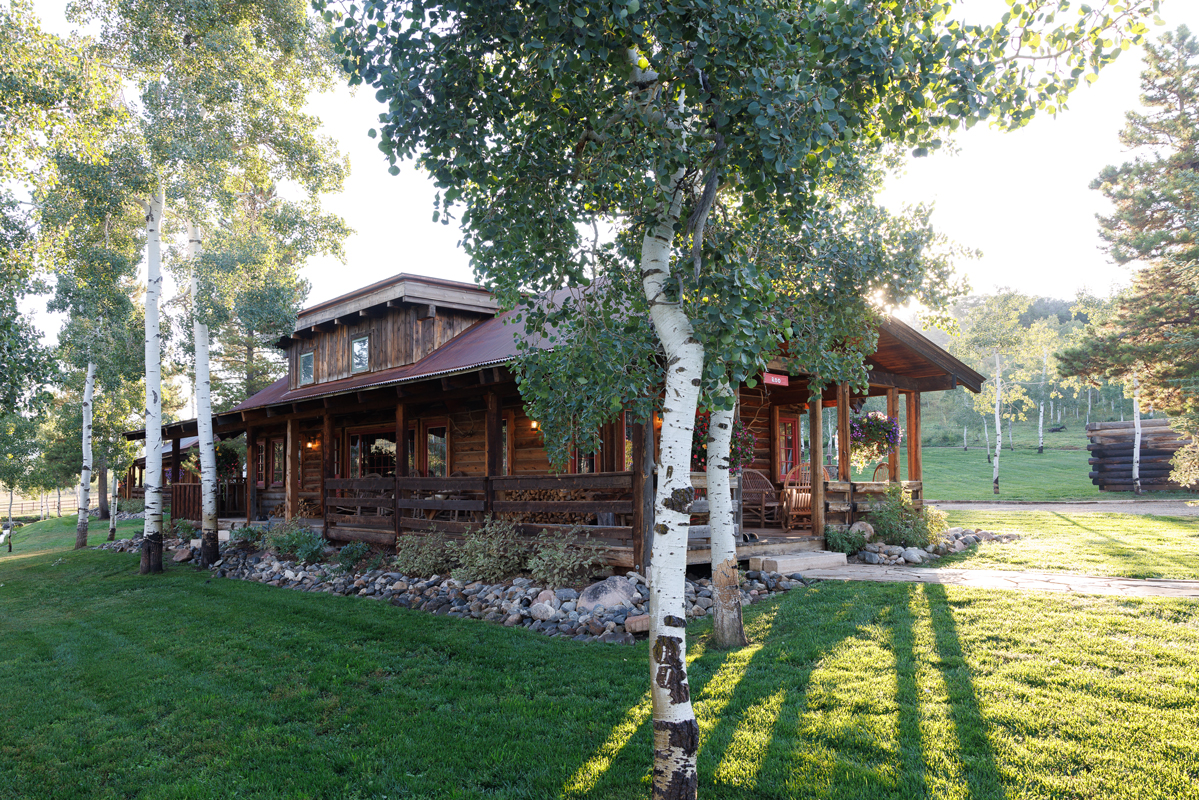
489, 343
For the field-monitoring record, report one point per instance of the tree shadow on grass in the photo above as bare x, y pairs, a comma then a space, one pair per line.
979, 765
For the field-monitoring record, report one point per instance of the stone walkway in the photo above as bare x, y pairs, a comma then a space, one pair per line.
1006, 579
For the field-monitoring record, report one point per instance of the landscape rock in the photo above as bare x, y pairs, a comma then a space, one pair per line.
182, 556
610, 593
864, 528
913, 556
542, 612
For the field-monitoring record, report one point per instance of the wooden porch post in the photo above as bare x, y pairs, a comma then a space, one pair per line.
893, 412
843, 472
914, 466
816, 437
494, 447
251, 473
401, 459
291, 476
327, 467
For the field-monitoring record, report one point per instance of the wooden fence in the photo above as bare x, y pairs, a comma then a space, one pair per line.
1111, 448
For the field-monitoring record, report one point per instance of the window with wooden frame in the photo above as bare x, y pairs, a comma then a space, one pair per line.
436, 449
372, 452
582, 463
307, 368
260, 465
360, 354
278, 456
507, 436
626, 438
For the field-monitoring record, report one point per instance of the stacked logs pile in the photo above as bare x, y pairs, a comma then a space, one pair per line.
549, 496
1111, 446
306, 510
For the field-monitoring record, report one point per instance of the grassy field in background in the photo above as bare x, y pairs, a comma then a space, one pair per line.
184, 686
1122, 545
58, 533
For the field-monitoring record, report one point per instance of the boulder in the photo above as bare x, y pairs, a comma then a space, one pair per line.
541, 612
638, 624
914, 556
182, 555
864, 528
547, 597
869, 557
611, 593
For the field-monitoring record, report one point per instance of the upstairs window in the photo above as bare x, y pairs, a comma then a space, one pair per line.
307, 368
360, 354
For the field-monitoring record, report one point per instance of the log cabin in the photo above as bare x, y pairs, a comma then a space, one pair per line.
399, 415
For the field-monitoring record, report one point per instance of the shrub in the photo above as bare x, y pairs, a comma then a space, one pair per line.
298, 541
843, 540
351, 554
896, 521
558, 561
491, 552
131, 506
422, 556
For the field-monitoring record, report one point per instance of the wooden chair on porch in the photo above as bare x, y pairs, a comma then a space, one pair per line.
880, 472
759, 500
795, 499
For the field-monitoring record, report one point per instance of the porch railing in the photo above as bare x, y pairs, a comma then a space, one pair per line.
378, 510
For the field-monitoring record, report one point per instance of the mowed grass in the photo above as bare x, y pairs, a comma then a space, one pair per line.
58, 533
185, 686
1121, 545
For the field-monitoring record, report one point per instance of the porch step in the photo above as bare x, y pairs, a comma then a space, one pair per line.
797, 562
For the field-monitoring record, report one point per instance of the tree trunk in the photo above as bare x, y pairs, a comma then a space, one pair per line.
1041, 409
1136, 442
965, 443
116, 506
998, 424
85, 470
1011, 444
101, 483
727, 625
1088, 404
209, 546
676, 733
986, 439
10, 527
59, 490
152, 542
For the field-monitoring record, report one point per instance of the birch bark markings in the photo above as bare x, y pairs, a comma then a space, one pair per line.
1136, 439
209, 547
676, 733
726, 613
998, 423
85, 470
152, 532
112, 516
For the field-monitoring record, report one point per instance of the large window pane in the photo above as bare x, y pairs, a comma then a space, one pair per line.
307, 369
436, 439
360, 355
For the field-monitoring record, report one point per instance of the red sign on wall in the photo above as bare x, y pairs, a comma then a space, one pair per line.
770, 379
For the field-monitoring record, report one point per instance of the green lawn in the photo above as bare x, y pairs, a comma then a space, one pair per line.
1123, 545
183, 686
58, 533
951, 473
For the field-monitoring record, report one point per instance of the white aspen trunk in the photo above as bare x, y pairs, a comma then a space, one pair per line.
1136, 440
1041, 410
209, 546
998, 424
676, 733
727, 624
1010, 443
10, 527
112, 511
85, 470
152, 541
986, 438
59, 499
965, 443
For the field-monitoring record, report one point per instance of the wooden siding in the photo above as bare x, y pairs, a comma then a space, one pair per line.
397, 339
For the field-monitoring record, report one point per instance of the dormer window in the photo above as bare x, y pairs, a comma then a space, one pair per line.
307, 368
360, 354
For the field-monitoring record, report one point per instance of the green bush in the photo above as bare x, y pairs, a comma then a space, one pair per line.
131, 506
843, 540
559, 561
896, 521
422, 556
491, 552
296, 540
351, 554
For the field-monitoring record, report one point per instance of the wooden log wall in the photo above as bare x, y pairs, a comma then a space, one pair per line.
396, 339
1111, 450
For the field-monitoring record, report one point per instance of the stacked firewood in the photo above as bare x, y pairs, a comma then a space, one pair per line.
306, 510
563, 496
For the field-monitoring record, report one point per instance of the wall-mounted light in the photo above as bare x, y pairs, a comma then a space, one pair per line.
535, 424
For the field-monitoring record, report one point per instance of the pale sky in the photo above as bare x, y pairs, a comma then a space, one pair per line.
1021, 198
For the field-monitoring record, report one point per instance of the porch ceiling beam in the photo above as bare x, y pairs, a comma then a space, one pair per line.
878, 377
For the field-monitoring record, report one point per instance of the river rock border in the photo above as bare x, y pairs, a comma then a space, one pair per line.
953, 540
612, 610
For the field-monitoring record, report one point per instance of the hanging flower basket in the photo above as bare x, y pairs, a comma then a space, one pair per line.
873, 437
741, 449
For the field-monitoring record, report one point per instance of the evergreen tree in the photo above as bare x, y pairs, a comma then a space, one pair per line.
1151, 338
